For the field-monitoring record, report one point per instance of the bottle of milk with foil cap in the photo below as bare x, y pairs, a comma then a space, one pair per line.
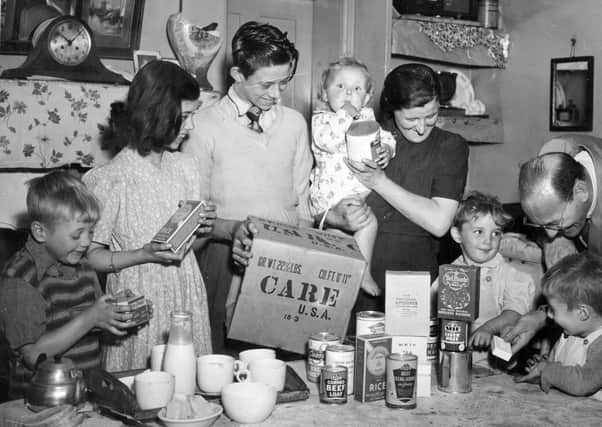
363, 140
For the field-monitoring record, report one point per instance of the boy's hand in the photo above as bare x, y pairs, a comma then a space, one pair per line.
110, 317
162, 254
385, 153
480, 339
533, 373
242, 242
207, 219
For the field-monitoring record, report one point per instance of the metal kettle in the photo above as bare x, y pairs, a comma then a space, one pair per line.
55, 382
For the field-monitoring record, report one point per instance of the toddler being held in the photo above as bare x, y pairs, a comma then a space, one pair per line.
345, 92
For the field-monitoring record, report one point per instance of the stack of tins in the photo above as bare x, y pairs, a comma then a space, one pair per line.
457, 307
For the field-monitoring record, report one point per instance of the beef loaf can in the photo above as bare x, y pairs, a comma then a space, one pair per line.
316, 353
344, 355
333, 384
402, 378
370, 323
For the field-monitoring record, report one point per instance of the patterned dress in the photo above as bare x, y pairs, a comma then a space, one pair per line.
137, 199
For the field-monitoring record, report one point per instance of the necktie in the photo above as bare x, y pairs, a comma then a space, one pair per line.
253, 114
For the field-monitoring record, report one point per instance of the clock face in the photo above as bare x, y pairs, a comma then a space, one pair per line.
69, 42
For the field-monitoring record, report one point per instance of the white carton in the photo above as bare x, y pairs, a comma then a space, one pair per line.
407, 303
408, 344
501, 348
301, 281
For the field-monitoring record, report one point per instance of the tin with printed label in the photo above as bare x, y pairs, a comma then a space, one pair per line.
316, 353
370, 323
333, 384
454, 335
344, 355
402, 378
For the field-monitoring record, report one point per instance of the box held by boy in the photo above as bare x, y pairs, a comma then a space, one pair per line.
300, 281
407, 303
182, 224
458, 293
137, 305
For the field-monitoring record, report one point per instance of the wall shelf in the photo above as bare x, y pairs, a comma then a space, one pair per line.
478, 130
476, 46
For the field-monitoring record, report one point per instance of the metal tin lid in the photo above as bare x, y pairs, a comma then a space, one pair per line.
371, 315
340, 348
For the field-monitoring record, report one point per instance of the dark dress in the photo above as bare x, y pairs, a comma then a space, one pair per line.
437, 167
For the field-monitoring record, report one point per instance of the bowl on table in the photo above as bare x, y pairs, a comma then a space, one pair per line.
205, 421
249, 402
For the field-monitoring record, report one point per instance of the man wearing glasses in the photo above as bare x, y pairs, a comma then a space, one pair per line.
559, 192
253, 154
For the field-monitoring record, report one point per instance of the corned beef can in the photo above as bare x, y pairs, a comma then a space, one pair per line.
316, 353
333, 384
344, 355
370, 323
454, 335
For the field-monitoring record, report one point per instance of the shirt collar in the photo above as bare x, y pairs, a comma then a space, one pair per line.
240, 105
585, 159
45, 263
593, 336
492, 263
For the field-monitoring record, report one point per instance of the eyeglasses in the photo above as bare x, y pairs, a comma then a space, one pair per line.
550, 227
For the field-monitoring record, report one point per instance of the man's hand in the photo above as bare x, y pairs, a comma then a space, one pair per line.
242, 242
524, 330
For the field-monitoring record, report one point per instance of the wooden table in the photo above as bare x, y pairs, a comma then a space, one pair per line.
494, 401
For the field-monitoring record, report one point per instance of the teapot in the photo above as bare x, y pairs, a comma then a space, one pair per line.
55, 382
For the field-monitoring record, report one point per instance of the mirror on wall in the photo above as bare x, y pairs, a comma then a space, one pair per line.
572, 93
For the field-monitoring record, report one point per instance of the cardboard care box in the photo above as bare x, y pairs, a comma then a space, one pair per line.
370, 382
458, 293
300, 281
407, 303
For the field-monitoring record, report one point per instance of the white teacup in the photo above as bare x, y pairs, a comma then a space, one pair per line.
244, 357
156, 359
154, 389
214, 371
271, 372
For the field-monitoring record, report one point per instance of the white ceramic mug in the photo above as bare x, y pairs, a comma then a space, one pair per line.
153, 389
157, 353
244, 357
214, 371
271, 372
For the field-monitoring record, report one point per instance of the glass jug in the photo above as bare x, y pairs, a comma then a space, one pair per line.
180, 359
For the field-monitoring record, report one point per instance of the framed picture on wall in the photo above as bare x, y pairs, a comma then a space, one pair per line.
572, 93
143, 57
116, 24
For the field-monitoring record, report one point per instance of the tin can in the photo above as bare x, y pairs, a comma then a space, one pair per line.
402, 378
370, 323
333, 384
316, 353
454, 373
432, 351
343, 355
454, 335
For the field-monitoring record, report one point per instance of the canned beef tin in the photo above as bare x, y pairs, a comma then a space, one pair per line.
333, 384
369, 323
401, 380
340, 354
316, 353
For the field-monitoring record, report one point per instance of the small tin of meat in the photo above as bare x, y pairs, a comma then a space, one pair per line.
454, 335
333, 384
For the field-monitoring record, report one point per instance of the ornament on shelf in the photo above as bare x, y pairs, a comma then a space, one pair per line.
195, 47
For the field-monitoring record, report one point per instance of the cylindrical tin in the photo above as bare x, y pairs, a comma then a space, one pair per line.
333, 384
432, 344
316, 353
369, 323
455, 371
454, 335
344, 355
402, 371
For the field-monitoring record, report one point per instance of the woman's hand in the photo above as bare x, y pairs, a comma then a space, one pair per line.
207, 218
351, 214
242, 242
368, 172
385, 154
108, 316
